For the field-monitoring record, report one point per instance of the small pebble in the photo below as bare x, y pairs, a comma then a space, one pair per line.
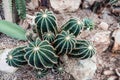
108, 72
103, 25
112, 78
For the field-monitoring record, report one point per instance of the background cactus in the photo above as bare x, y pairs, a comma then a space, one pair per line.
16, 57
49, 36
21, 8
88, 23
64, 43
84, 49
46, 22
73, 26
40, 54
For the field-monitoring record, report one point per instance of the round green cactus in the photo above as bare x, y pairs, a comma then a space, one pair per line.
46, 22
58, 69
49, 36
40, 54
40, 73
84, 49
88, 23
73, 26
64, 43
16, 57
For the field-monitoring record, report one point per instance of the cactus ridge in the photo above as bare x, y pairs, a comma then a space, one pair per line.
84, 49
40, 54
73, 26
46, 22
64, 43
16, 57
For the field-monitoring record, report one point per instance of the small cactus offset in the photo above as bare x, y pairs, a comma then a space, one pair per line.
21, 8
73, 26
46, 22
84, 49
64, 43
16, 57
88, 24
40, 54
49, 36
40, 73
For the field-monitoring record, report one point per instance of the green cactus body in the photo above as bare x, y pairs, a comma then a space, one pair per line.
73, 26
49, 36
21, 8
40, 54
88, 23
64, 43
84, 49
46, 22
16, 57
40, 73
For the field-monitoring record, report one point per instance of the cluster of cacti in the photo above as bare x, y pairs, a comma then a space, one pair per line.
44, 51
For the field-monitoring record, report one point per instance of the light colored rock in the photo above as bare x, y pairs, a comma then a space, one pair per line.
108, 72
65, 5
103, 25
112, 78
3, 65
117, 71
102, 37
33, 4
88, 3
80, 69
116, 35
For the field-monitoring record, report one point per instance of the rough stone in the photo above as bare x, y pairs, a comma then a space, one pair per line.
3, 65
65, 5
103, 26
108, 72
81, 69
112, 78
116, 35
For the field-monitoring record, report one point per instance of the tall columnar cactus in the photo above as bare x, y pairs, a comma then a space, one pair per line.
46, 22
88, 23
16, 57
49, 36
64, 43
40, 54
73, 26
21, 8
84, 49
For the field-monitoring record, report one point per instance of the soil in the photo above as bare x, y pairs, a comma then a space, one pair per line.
105, 60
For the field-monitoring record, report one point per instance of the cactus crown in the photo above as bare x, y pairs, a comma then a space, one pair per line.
73, 26
46, 22
44, 51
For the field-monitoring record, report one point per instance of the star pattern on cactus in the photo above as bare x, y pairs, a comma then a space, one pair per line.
16, 57
40, 54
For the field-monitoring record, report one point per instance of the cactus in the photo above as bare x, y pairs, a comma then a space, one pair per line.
58, 69
16, 57
40, 54
21, 8
40, 73
73, 26
46, 22
88, 24
64, 43
49, 36
84, 49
